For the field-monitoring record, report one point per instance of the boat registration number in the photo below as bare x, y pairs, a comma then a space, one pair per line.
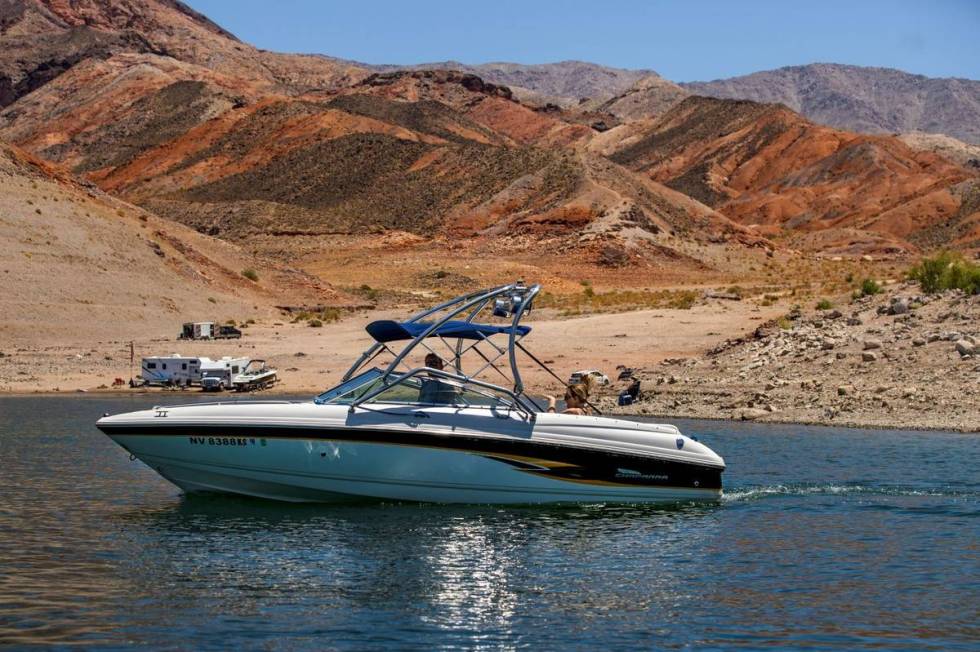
226, 441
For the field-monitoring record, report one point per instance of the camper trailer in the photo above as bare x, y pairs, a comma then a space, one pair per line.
197, 330
171, 370
217, 375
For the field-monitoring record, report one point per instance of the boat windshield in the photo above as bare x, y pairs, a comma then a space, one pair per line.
429, 390
417, 389
349, 391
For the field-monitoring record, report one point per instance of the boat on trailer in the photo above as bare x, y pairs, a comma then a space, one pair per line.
256, 375
405, 432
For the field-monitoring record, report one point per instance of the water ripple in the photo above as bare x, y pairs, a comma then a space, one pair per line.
812, 546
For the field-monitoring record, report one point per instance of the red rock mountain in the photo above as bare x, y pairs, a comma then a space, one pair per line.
766, 166
163, 108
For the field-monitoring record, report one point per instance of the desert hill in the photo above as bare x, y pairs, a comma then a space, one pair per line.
80, 264
164, 109
867, 100
946, 146
762, 164
564, 82
647, 98
41, 40
427, 152
854, 98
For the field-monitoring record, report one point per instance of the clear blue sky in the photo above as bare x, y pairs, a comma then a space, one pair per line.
683, 41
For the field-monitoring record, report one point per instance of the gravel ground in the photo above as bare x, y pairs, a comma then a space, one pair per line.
898, 359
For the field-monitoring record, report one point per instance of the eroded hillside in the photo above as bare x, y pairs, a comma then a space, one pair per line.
79, 264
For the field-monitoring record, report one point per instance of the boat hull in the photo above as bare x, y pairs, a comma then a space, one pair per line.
300, 465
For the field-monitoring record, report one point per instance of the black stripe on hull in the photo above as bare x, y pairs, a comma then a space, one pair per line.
560, 462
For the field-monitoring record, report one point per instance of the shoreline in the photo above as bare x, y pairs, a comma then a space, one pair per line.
615, 414
898, 360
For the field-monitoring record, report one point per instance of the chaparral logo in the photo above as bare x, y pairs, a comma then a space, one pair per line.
636, 475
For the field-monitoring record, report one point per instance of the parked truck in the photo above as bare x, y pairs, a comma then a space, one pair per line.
217, 375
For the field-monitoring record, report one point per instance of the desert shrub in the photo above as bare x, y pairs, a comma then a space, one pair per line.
946, 271
824, 304
368, 292
869, 286
683, 300
251, 275
315, 323
330, 314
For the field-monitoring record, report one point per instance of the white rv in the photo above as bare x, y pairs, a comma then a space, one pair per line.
216, 375
172, 369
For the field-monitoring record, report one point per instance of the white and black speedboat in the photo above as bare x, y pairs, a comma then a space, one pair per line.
403, 432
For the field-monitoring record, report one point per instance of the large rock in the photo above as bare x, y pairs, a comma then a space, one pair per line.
871, 344
751, 414
899, 306
869, 356
965, 347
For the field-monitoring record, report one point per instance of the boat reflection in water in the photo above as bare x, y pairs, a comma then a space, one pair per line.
424, 433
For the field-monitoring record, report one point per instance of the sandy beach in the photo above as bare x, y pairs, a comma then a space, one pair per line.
862, 364
312, 359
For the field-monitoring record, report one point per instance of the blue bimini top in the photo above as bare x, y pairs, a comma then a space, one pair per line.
386, 330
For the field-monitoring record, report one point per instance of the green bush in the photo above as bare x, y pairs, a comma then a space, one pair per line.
946, 271
251, 275
315, 323
824, 304
870, 286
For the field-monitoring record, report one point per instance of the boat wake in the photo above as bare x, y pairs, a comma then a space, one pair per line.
746, 494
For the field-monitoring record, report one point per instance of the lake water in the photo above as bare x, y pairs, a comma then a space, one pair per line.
826, 539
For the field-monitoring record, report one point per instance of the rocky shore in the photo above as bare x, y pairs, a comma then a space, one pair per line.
897, 359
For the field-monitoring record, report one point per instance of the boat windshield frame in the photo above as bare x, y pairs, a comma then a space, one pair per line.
347, 386
510, 302
501, 397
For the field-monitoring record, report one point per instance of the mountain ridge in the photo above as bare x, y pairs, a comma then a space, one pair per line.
189, 122
863, 99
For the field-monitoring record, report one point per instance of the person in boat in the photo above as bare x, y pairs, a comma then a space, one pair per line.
576, 400
433, 389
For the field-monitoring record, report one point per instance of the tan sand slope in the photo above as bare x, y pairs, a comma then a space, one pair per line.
77, 264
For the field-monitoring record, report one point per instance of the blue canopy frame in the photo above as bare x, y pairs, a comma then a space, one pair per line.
455, 320
387, 330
